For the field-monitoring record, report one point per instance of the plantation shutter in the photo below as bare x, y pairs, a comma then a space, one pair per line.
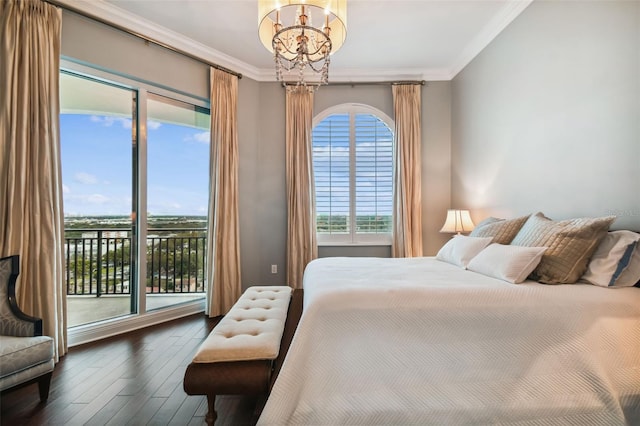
353, 171
374, 175
331, 171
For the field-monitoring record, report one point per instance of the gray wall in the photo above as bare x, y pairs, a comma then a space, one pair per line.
547, 117
109, 49
436, 164
263, 204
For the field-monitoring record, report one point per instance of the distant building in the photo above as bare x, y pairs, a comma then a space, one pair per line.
106, 234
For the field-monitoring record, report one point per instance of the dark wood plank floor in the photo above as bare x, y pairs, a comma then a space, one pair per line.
133, 379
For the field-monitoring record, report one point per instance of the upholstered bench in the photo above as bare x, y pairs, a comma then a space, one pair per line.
242, 351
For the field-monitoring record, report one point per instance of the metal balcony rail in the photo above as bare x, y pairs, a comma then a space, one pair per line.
99, 261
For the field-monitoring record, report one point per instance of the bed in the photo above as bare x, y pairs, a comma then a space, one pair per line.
421, 341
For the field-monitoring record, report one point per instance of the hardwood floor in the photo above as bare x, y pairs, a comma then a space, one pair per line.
133, 379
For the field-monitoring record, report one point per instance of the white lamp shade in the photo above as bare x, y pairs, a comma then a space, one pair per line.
458, 221
318, 11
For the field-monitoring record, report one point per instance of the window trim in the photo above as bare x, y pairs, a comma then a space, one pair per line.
353, 238
114, 78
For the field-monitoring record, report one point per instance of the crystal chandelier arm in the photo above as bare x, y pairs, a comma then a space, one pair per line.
297, 44
325, 64
289, 35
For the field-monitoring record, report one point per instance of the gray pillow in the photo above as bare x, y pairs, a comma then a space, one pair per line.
502, 231
570, 245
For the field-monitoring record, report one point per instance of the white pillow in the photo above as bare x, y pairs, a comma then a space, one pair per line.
611, 259
508, 263
461, 249
630, 276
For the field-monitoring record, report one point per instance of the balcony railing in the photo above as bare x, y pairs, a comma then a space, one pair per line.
98, 261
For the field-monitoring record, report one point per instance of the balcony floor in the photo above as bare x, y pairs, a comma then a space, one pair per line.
86, 309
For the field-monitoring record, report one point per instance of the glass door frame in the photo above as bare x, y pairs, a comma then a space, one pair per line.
139, 316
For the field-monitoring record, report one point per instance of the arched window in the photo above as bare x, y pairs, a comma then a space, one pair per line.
353, 171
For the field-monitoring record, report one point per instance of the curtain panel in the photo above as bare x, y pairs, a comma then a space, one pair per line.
224, 285
31, 215
302, 246
407, 201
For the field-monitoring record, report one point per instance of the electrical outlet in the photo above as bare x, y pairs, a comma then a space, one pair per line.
274, 269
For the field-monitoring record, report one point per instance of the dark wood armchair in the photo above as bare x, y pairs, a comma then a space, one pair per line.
26, 356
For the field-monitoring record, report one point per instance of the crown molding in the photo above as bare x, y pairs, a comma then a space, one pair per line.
346, 75
509, 12
115, 15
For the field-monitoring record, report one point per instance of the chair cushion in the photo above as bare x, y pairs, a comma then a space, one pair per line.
21, 353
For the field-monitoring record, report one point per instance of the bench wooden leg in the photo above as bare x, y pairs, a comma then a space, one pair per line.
211, 413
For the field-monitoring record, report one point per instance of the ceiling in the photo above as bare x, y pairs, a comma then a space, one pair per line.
386, 40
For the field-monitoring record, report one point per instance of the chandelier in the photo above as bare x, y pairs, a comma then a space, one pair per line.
300, 49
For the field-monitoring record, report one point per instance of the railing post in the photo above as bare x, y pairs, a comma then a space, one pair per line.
99, 271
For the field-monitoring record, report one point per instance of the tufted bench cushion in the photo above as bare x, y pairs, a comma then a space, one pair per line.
251, 330
243, 353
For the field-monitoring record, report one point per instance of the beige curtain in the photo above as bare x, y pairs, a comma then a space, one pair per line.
223, 242
302, 246
407, 214
31, 216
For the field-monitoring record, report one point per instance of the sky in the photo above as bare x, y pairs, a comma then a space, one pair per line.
97, 167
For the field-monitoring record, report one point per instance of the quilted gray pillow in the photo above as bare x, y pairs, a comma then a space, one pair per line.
502, 231
570, 245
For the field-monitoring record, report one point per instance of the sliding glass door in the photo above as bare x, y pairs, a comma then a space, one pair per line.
96, 134
177, 201
135, 172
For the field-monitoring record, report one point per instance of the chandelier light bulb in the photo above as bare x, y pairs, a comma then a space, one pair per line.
300, 49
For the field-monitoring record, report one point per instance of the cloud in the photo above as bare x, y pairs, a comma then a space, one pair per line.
165, 207
85, 178
108, 121
153, 125
66, 189
96, 204
97, 199
202, 137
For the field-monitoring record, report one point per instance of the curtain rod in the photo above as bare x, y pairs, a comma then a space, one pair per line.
141, 36
364, 83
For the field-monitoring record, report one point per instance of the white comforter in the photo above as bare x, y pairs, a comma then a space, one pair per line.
419, 341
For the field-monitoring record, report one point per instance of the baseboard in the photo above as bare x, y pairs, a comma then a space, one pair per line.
103, 329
